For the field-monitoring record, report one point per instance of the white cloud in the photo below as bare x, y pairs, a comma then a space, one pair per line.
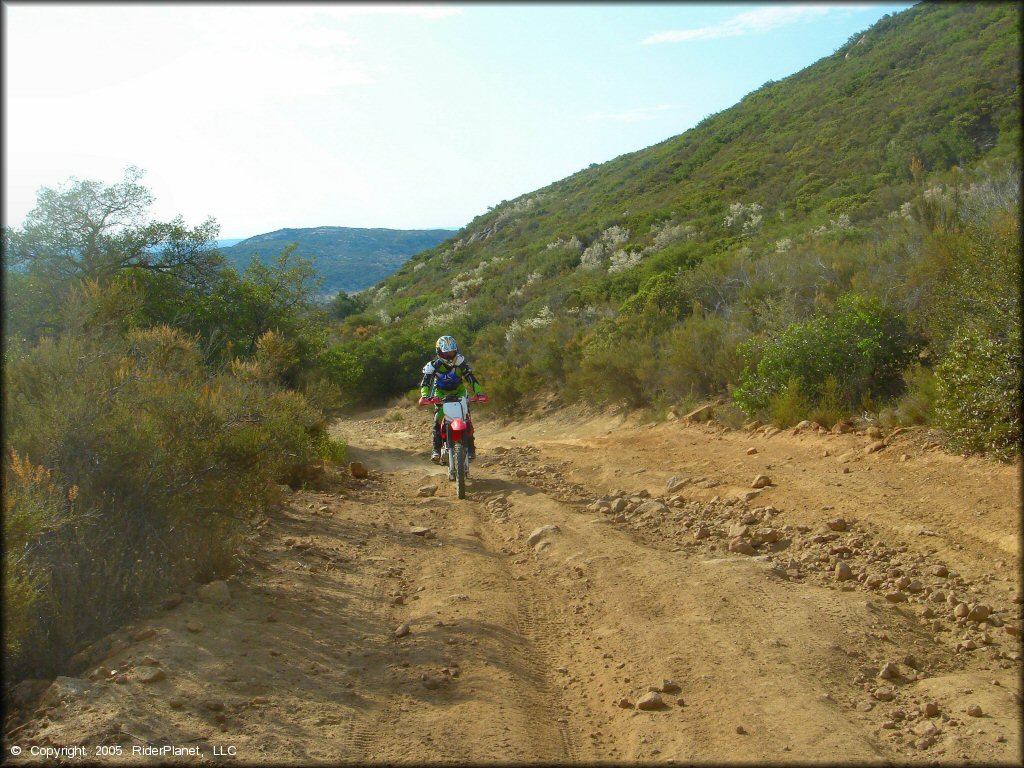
747, 23
636, 115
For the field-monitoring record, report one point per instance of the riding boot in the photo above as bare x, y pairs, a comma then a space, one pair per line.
470, 446
436, 435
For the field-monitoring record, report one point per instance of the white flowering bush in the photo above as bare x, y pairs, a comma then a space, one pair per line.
445, 314
666, 234
604, 245
465, 284
748, 217
783, 245
543, 319
573, 243
622, 260
834, 225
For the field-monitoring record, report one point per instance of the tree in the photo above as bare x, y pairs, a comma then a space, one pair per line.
91, 231
276, 297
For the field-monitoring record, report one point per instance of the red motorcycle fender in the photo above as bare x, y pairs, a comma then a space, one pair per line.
458, 427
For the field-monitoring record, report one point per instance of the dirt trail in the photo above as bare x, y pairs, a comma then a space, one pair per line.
512, 647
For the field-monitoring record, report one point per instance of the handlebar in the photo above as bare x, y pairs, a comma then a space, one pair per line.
439, 400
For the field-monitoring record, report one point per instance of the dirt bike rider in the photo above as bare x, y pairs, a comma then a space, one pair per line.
446, 374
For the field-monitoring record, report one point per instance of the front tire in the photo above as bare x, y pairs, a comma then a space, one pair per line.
451, 459
460, 468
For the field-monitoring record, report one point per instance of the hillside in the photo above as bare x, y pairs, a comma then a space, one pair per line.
852, 176
349, 259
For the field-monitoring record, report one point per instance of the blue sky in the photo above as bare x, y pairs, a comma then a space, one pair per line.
410, 116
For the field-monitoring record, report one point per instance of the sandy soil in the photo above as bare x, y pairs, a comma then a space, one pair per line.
515, 644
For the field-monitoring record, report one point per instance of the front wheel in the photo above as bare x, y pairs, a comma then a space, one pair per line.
460, 468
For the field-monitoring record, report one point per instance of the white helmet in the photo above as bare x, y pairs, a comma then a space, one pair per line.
446, 348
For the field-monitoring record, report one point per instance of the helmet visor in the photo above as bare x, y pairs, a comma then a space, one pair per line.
448, 355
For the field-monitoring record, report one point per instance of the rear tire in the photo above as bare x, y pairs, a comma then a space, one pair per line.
460, 468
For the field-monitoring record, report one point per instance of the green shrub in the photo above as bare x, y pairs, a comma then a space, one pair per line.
329, 448
34, 504
978, 389
860, 343
829, 407
700, 357
790, 404
169, 462
917, 406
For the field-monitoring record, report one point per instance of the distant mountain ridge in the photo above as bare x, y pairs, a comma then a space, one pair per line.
348, 258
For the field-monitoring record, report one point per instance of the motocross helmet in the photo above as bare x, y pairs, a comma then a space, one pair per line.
446, 348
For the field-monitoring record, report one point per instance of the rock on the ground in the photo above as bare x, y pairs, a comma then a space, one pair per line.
419, 530
974, 710
889, 671
761, 481
427, 490
650, 700
651, 507
979, 613
931, 709
675, 482
153, 675
741, 545
702, 532
540, 533
843, 572
144, 634
64, 688
356, 469
402, 630
703, 413
670, 686
751, 451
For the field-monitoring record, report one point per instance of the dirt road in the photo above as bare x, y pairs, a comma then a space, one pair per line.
596, 562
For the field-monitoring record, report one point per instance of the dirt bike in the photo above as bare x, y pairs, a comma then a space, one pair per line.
455, 425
